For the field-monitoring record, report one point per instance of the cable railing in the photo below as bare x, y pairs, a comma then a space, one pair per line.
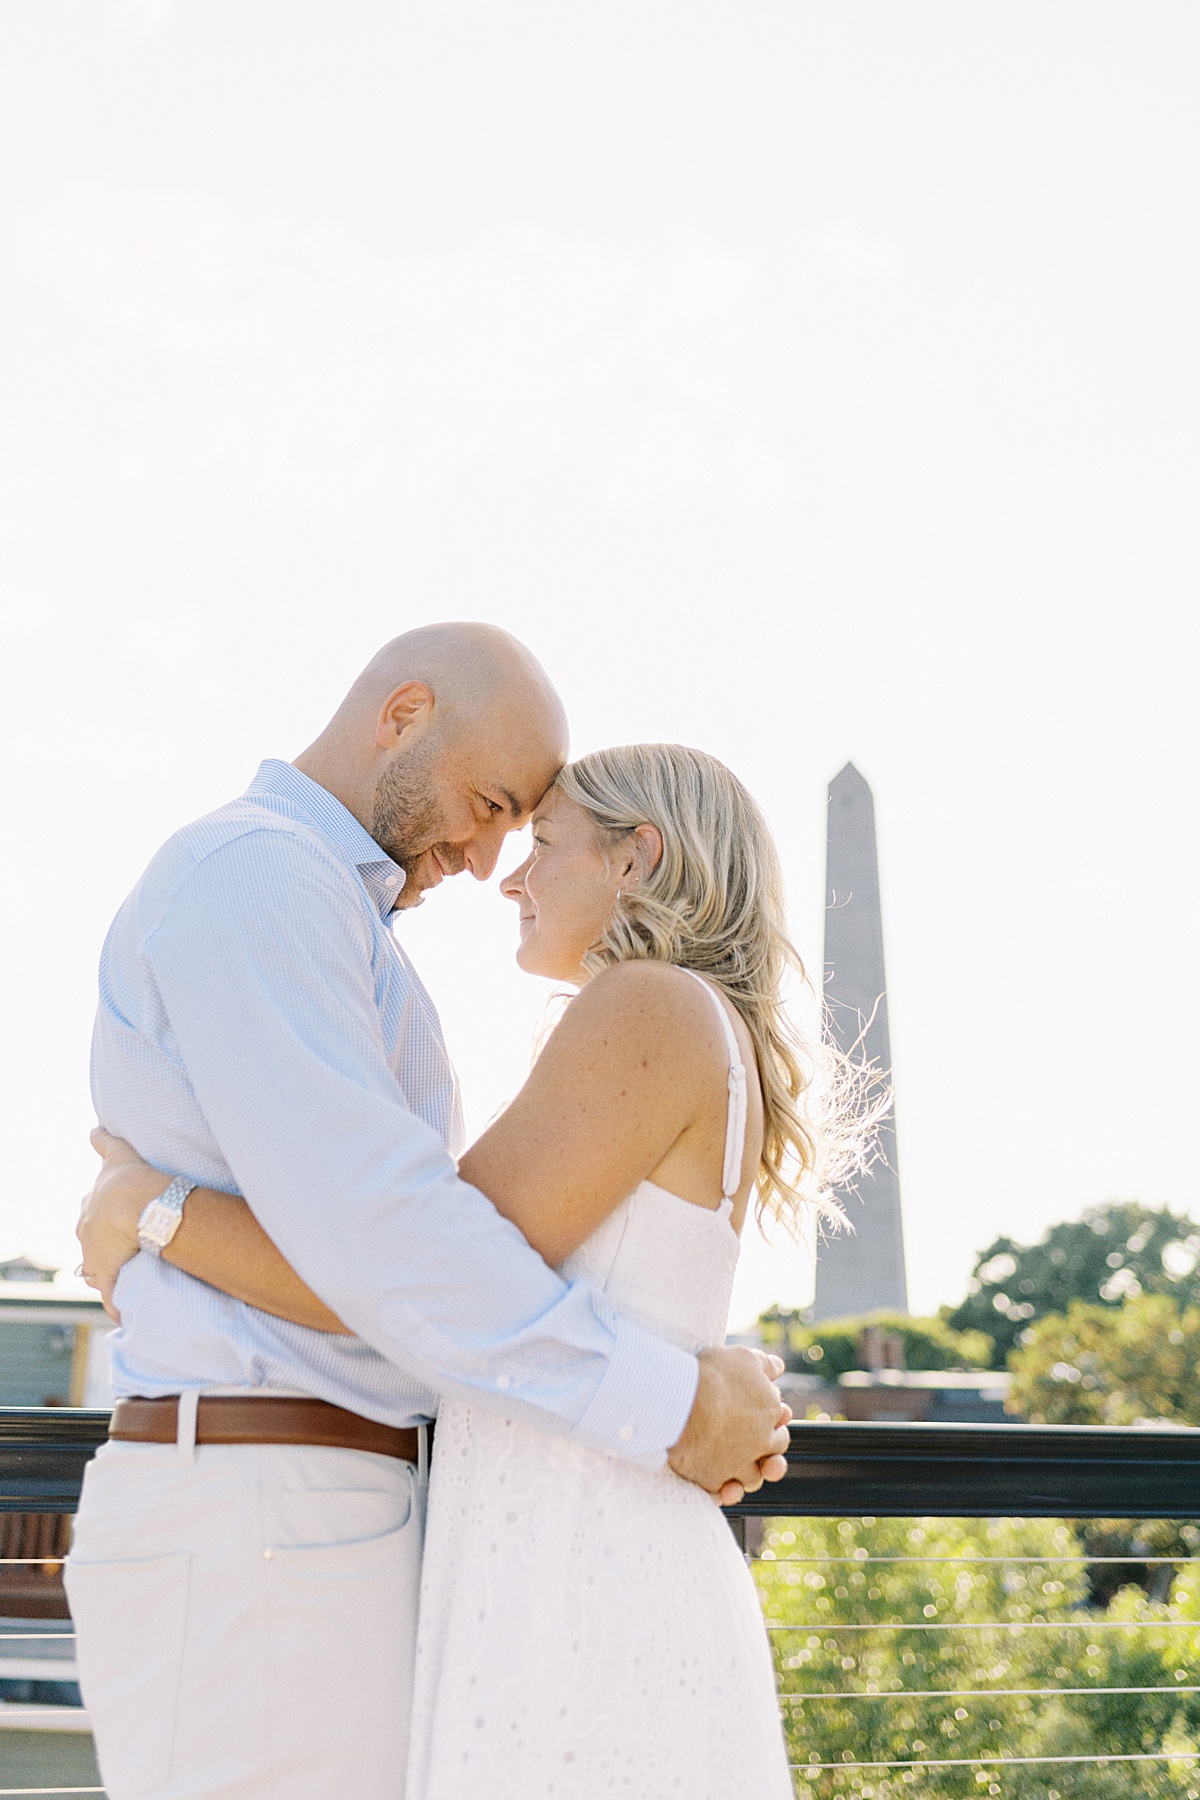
940, 1625
45, 1745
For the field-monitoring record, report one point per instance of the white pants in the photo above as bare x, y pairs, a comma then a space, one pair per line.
246, 1619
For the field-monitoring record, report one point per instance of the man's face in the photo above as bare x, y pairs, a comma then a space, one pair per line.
446, 803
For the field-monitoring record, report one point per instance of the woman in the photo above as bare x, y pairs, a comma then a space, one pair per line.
588, 1627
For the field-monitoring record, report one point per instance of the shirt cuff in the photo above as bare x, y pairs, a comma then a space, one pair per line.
644, 1400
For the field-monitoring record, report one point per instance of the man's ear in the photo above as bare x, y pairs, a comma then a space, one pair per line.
645, 854
405, 715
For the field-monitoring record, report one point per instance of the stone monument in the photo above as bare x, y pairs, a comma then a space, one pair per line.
861, 1271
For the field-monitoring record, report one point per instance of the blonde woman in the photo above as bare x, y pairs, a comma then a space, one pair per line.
588, 1627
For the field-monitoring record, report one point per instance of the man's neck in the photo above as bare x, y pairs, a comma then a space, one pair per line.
329, 772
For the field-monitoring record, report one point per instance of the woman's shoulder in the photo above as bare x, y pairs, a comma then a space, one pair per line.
647, 1006
645, 982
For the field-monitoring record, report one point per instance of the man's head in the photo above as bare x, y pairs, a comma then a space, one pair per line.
447, 740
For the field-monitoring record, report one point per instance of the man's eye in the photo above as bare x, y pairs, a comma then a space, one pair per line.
493, 806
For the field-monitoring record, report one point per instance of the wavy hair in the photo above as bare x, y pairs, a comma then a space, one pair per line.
715, 904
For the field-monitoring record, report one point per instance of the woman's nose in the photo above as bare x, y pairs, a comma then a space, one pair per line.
513, 886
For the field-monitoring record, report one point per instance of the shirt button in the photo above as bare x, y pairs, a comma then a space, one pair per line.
391, 881
502, 1381
625, 1433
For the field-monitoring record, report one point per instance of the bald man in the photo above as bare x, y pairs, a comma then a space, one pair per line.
246, 1558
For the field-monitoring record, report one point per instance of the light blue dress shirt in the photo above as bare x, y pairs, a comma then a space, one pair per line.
260, 1030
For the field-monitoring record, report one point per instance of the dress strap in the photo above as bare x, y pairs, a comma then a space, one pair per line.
735, 1129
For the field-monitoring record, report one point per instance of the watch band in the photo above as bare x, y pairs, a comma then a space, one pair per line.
160, 1220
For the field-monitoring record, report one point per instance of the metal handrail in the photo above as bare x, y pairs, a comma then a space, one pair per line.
43, 1453
835, 1470
916, 1470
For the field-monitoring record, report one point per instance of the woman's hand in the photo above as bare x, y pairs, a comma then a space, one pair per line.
107, 1227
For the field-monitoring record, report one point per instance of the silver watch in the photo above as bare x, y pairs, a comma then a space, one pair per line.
158, 1222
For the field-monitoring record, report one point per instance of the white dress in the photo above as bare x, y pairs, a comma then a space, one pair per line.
588, 1628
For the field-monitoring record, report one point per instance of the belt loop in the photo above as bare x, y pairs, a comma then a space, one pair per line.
423, 1454
185, 1428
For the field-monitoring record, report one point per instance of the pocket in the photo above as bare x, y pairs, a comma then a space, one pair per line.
130, 1619
342, 1637
357, 1559
301, 1524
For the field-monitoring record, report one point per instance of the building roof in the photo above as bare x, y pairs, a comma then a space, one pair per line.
23, 1268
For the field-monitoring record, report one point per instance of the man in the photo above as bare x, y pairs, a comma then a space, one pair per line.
247, 1548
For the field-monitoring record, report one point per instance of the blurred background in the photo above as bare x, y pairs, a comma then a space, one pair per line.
806, 381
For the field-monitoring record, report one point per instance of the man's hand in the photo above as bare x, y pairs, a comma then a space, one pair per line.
736, 1436
107, 1228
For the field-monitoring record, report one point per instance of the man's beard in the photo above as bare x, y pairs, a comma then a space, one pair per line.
406, 821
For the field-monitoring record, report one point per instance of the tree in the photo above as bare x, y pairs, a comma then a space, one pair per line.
1114, 1253
961, 1638
1104, 1365
830, 1349
1110, 1365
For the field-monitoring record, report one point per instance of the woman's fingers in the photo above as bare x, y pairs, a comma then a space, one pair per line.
107, 1227
112, 1149
93, 1281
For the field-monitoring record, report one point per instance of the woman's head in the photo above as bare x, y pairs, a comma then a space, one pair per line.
569, 884
657, 851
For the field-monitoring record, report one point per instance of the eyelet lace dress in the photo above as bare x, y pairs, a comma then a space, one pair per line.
589, 1628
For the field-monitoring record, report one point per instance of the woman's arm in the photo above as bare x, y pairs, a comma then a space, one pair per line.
635, 1058
219, 1240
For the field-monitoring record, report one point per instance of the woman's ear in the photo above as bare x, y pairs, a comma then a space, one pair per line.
645, 854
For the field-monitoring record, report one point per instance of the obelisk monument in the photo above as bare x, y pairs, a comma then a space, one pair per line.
861, 1271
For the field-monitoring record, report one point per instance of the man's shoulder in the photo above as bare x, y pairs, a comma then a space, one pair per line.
239, 854
246, 816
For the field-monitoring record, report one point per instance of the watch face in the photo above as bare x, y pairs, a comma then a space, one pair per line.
160, 1219
158, 1223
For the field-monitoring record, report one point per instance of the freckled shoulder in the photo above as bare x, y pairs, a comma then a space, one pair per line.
651, 1007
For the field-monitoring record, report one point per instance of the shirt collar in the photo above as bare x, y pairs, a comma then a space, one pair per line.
316, 806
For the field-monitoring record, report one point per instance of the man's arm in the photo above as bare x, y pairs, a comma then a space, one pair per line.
219, 1241
263, 961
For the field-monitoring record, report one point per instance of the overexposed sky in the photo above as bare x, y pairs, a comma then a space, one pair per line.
804, 381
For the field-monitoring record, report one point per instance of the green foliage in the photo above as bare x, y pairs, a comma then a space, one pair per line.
1152, 1547
944, 1631
832, 1348
1111, 1365
1115, 1252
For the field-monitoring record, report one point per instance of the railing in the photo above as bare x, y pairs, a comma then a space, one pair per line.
44, 1745
940, 1628
932, 1620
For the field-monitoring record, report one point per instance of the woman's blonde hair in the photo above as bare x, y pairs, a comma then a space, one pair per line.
715, 904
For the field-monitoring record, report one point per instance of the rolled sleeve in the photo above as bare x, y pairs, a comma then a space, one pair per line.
644, 1398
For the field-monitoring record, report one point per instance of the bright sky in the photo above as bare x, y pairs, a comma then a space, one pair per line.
804, 381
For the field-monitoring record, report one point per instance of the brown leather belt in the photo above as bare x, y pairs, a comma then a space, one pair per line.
232, 1419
